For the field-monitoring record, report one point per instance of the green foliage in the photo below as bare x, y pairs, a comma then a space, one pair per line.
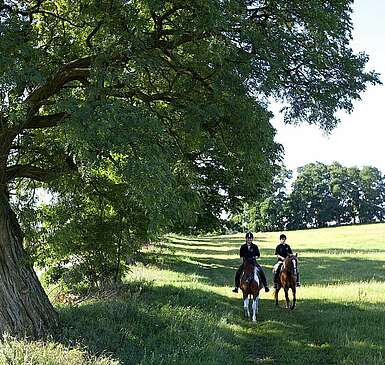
146, 116
16, 352
321, 195
180, 309
89, 232
312, 190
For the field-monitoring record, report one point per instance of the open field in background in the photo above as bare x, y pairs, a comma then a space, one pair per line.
178, 308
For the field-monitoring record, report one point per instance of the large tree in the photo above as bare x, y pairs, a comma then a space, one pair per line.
172, 93
273, 211
372, 195
312, 188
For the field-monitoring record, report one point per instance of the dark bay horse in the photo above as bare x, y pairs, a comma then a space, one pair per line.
287, 279
250, 285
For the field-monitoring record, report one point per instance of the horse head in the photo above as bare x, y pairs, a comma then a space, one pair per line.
248, 269
291, 263
249, 265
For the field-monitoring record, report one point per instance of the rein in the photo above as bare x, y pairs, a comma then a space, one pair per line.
248, 277
293, 267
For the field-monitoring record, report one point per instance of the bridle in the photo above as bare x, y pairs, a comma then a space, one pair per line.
293, 266
248, 277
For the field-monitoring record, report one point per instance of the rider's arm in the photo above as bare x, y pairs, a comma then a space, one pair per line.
289, 250
279, 257
241, 254
257, 254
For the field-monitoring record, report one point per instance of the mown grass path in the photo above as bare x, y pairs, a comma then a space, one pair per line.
181, 309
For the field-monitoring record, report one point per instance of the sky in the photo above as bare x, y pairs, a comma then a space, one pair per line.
359, 139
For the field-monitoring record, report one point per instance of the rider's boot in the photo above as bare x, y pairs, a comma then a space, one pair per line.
298, 284
275, 280
264, 281
237, 279
265, 286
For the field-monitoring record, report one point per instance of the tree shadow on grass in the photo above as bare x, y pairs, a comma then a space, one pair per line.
161, 325
340, 270
212, 271
214, 241
173, 325
191, 251
325, 267
341, 251
321, 332
208, 239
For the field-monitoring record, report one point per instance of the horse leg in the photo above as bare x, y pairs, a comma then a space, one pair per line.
276, 295
294, 300
255, 307
246, 306
287, 297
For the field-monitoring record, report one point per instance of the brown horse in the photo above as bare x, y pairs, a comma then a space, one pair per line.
250, 285
287, 279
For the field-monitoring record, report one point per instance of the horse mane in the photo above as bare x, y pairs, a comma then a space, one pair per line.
247, 285
287, 263
248, 262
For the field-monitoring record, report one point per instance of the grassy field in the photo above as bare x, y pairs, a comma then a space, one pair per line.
178, 308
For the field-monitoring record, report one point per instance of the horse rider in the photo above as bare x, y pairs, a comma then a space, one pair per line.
282, 251
249, 250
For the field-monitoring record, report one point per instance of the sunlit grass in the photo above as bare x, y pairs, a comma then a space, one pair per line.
340, 314
177, 307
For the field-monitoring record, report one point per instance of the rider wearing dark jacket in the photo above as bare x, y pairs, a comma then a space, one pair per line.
282, 251
249, 251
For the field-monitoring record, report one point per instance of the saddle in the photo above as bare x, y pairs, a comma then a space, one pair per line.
250, 277
277, 267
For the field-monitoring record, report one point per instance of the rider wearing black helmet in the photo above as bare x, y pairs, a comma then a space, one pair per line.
282, 251
249, 251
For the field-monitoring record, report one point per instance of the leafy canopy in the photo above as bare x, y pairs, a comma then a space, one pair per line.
167, 101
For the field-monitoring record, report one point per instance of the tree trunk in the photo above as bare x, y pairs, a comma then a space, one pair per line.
25, 309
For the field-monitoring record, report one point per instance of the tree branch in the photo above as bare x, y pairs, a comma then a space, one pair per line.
37, 173
57, 16
167, 97
94, 31
32, 172
46, 121
52, 86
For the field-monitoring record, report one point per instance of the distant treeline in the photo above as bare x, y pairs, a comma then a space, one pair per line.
321, 195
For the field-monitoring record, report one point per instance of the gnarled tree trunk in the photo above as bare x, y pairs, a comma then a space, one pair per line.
24, 306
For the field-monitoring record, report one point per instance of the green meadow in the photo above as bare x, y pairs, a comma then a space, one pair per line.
176, 307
